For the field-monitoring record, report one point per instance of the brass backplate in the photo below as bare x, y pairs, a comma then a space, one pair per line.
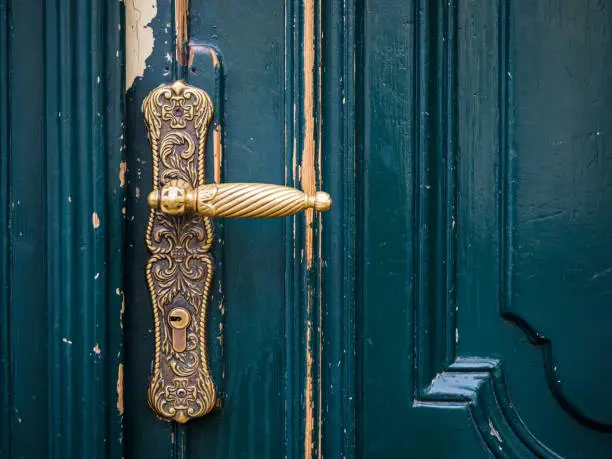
180, 268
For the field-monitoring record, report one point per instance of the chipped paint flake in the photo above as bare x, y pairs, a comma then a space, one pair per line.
181, 21
97, 350
217, 153
494, 432
120, 389
309, 408
307, 168
122, 171
95, 220
139, 37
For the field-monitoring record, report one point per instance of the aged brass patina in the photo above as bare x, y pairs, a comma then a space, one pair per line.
179, 238
236, 200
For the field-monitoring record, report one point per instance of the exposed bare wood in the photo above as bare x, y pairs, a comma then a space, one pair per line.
138, 37
181, 23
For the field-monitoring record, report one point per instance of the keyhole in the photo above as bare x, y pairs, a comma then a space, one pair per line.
179, 319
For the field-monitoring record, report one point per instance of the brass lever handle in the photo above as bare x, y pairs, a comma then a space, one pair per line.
235, 200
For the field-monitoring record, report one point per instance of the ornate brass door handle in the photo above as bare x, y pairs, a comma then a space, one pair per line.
179, 238
236, 200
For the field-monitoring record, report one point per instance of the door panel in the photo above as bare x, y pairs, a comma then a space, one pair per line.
255, 328
498, 243
61, 238
560, 243
453, 303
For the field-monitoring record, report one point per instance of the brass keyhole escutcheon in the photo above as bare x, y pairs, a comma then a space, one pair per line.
179, 319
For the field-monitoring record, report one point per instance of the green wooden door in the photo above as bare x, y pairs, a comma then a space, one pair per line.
454, 303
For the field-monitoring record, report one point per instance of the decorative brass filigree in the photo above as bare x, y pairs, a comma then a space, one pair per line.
180, 269
179, 237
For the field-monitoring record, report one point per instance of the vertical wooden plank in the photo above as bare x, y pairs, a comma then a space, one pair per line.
150, 61
307, 152
28, 312
340, 25
84, 116
58, 267
292, 388
56, 257
306, 272
250, 421
113, 166
5, 324
436, 194
388, 170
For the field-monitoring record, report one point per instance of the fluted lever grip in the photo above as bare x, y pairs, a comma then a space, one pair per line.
236, 200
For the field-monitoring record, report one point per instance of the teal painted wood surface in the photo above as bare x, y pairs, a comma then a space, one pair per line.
457, 302
447, 308
61, 86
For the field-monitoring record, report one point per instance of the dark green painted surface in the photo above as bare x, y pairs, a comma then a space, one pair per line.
483, 275
259, 298
459, 301
459, 304
61, 88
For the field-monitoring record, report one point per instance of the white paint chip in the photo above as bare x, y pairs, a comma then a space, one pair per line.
494, 432
138, 38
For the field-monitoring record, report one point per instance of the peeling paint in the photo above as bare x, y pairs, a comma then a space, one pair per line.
120, 389
306, 172
494, 432
122, 171
215, 59
307, 176
95, 220
96, 349
309, 408
217, 153
181, 21
307, 169
138, 37
122, 310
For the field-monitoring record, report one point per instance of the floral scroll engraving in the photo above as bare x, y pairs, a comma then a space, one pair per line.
179, 271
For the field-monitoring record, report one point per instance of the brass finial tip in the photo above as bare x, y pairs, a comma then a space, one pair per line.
323, 201
153, 199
